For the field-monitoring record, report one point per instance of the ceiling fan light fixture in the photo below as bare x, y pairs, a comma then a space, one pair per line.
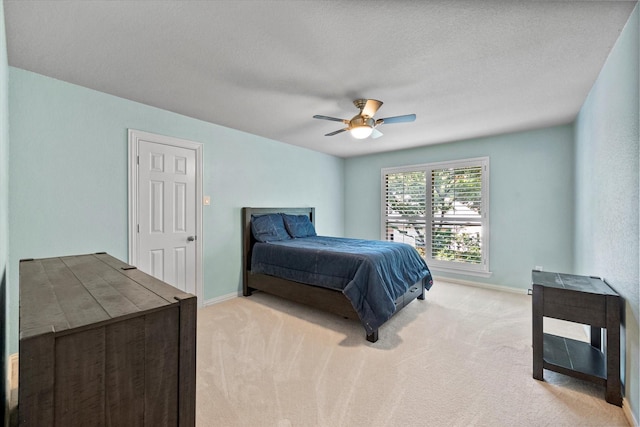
363, 125
361, 132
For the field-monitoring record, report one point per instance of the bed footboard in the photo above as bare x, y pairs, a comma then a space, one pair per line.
314, 296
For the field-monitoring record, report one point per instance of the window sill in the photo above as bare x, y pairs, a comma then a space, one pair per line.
474, 273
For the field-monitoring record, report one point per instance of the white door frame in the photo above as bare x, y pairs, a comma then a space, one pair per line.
135, 136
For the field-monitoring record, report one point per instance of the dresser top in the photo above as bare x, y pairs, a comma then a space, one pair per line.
592, 285
65, 293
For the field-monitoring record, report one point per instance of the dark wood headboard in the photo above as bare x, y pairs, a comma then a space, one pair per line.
247, 237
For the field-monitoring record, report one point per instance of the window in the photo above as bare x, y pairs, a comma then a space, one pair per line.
441, 209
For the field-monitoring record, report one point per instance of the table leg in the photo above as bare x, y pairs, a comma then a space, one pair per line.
537, 332
596, 337
613, 393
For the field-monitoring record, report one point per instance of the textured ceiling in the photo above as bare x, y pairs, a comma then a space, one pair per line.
466, 68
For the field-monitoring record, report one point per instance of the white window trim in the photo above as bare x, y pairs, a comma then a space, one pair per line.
479, 270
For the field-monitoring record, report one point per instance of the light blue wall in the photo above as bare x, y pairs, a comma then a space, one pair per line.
4, 203
531, 198
607, 188
69, 178
4, 146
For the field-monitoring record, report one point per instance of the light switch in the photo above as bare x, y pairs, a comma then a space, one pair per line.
206, 200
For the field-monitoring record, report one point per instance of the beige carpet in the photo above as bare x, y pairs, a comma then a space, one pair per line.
462, 357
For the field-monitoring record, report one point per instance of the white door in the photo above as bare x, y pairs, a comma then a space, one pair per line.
167, 212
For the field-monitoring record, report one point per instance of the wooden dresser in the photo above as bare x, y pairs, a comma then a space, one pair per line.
104, 344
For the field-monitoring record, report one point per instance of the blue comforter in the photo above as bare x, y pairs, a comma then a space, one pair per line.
372, 274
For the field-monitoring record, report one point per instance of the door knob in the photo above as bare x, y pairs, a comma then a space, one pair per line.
191, 238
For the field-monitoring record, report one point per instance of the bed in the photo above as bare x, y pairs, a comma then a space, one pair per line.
366, 280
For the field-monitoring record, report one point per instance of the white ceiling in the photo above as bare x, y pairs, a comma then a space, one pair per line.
466, 68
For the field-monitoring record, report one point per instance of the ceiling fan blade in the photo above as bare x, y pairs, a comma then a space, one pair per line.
335, 119
397, 119
336, 132
376, 134
371, 107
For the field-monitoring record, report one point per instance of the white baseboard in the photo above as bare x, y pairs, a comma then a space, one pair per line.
631, 419
482, 285
220, 299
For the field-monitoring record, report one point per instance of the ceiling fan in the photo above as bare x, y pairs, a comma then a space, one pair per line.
363, 125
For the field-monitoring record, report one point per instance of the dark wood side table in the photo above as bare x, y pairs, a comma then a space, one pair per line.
585, 300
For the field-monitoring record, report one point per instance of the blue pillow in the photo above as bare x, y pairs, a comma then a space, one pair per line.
299, 225
268, 228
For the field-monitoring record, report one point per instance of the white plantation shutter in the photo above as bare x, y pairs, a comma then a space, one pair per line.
456, 214
442, 210
405, 208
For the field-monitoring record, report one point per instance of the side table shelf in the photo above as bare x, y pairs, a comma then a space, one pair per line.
565, 354
585, 300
